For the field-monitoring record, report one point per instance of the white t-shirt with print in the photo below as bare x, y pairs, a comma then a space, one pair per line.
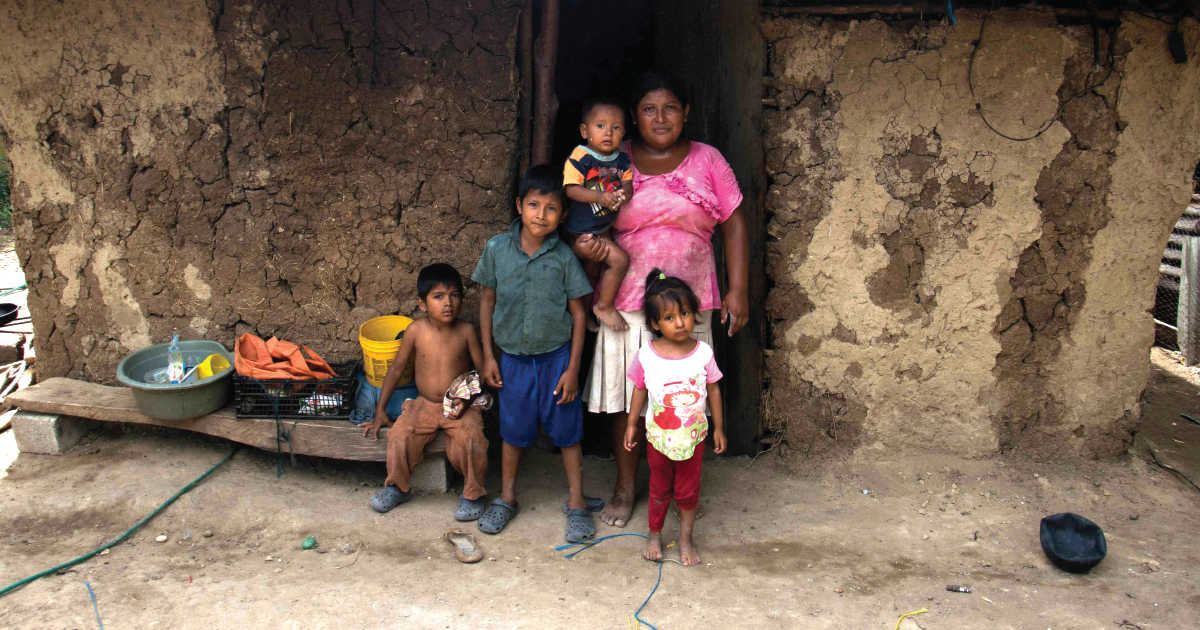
678, 390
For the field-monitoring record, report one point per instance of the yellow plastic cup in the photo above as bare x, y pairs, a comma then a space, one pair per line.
379, 345
212, 364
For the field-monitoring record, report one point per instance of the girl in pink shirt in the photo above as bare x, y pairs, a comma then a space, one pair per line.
677, 374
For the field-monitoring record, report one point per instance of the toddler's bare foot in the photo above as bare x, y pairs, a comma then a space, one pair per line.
654, 547
616, 512
610, 317
687, 552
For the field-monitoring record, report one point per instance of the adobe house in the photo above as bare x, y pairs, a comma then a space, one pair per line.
919, 280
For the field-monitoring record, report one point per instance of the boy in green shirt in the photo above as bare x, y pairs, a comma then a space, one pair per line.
532, 309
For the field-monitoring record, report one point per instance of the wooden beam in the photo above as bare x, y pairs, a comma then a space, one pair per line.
742, 63
840, 10
336, 439
526, 96
1187, 318
545, 101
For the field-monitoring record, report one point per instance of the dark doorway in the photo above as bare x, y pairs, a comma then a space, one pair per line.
715, 47
603, 47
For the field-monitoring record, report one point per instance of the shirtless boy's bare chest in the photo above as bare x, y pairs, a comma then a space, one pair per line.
440, 357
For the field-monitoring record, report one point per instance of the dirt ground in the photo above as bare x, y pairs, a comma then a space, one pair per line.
786, 543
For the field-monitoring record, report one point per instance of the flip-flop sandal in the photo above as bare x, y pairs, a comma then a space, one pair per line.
594, 504
497, 516
580, 526
465, 548
388, 498
469, 509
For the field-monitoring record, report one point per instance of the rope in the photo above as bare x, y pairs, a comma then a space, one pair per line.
978, 42
660, 563
94, 606
915, 612
281, 435
119, 539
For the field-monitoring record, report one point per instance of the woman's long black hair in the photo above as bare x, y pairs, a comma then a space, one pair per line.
663, 290
652, 81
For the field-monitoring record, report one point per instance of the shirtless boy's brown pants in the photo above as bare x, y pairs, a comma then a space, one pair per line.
418, 424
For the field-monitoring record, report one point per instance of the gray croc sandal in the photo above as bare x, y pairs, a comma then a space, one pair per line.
469, 509
594, 504
580, 526
497, 516
388, 498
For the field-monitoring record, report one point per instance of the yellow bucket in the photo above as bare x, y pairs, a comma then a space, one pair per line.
380, 345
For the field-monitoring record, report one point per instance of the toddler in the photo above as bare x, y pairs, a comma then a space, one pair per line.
598, 178
677, 373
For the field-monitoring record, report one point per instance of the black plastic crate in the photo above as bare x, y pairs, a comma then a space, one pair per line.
298, 399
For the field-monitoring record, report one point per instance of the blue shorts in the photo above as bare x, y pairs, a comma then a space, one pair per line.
528, 398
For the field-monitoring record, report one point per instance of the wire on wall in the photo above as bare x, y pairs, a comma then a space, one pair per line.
975, 46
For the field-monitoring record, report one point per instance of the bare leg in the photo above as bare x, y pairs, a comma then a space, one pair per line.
573, 463
510, 463
653, 549
620, 506
610, 282
687, 548
699, 511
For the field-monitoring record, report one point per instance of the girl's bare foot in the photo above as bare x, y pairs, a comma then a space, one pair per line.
616, 512
610, 316
687, 551
654, 547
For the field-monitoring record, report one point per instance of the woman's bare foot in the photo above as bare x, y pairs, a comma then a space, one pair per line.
687, 551
610, 316
654, 547
616, 512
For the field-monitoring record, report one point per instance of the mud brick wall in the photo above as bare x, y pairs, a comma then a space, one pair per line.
229, 166
939, 286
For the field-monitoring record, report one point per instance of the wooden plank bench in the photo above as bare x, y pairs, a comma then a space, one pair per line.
335, 439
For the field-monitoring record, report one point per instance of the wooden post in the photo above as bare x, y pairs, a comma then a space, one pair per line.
1188, 314
526, 96
545, 101
739, 137
716, 48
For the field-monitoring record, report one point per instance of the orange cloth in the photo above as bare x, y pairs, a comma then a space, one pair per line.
273, 358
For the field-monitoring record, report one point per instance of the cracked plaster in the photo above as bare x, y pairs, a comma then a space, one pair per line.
219, 167
899, 220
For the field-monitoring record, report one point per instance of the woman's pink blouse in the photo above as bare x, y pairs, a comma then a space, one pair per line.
669, 223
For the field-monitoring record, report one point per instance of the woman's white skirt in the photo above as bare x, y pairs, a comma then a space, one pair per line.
607, 389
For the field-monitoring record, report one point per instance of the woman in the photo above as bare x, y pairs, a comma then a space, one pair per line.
683, 190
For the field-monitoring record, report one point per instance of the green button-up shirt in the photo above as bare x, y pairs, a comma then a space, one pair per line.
532, 292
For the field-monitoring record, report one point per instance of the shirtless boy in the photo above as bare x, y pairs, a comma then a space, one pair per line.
446, 348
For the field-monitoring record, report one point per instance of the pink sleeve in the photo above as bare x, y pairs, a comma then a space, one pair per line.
636, 373
724, 185
714, 372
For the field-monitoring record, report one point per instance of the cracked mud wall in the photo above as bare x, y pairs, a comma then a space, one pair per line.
268, 166
938, 286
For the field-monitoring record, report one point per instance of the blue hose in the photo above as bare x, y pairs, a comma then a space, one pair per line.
593, 543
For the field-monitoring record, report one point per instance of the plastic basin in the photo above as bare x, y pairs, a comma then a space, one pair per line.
177, 401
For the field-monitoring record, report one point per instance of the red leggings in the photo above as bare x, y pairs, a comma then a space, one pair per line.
671, 479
